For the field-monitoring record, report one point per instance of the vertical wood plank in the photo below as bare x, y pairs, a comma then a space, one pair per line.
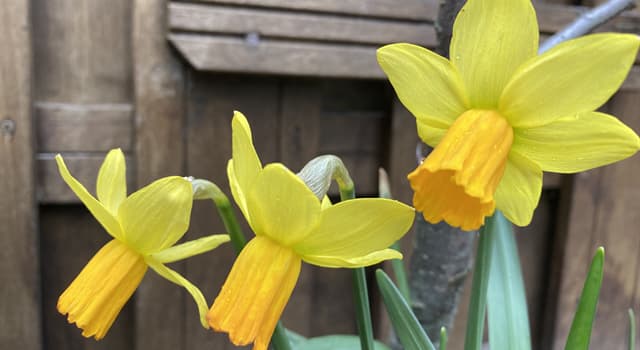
159, 119
605, 209
20, 324
211, 100
301, 106
82, 51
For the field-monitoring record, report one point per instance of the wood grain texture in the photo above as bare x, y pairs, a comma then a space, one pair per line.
63, 127
228, 54
296, 26
604, 212
52, 189
83, 51
70, 237
410, 9
301, 108
159, 150
20, 324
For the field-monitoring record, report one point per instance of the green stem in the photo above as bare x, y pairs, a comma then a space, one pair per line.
231, 225
443, 338
401, 275
361, 294
363, 312
397, 265
204, 189
478, 302
632, 330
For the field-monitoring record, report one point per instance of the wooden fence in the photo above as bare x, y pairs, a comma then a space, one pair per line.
160, 79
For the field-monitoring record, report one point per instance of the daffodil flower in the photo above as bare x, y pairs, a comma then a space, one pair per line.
498, 114
144, 226
291, 226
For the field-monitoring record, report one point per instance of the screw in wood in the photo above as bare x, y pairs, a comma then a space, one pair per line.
7, 127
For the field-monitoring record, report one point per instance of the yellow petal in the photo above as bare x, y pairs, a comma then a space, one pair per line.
176, 278
427, 84
360, 261
111, 186
572, 144
102, 214
156, 216
519, 191
357, 227
94, 299
237, 191
255, 293
189, 249
491, 39
282, 207
576, 76
430, 134
245, 165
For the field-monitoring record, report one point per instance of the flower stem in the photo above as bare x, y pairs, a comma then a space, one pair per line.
479, 287
203, 189
361, 294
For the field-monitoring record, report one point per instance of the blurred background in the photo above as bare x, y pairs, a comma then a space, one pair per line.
160, 79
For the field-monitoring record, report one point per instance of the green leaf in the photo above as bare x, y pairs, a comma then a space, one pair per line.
478, 300
632, 330
335, 342
506, 302
580, 332
404, 322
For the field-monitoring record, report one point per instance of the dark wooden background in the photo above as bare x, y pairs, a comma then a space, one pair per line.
161, 81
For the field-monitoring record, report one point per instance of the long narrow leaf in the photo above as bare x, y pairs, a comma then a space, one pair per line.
478, 301
580, 332
506, 302
404, 322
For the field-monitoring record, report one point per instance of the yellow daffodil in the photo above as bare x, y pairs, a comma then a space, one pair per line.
144, 227
498, 114
291, 226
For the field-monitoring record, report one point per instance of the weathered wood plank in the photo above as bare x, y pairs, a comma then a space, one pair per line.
20, 324
301, 106
410, 9
63, 127
70, 237
296, 26
159, 150
604, 211
83, 51
83, 166
228, 54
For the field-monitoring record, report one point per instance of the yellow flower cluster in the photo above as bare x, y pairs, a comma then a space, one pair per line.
497, 115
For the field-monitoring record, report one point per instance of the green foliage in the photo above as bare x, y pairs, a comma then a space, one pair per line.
580, 332
332, 342
404, 322
506, 300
